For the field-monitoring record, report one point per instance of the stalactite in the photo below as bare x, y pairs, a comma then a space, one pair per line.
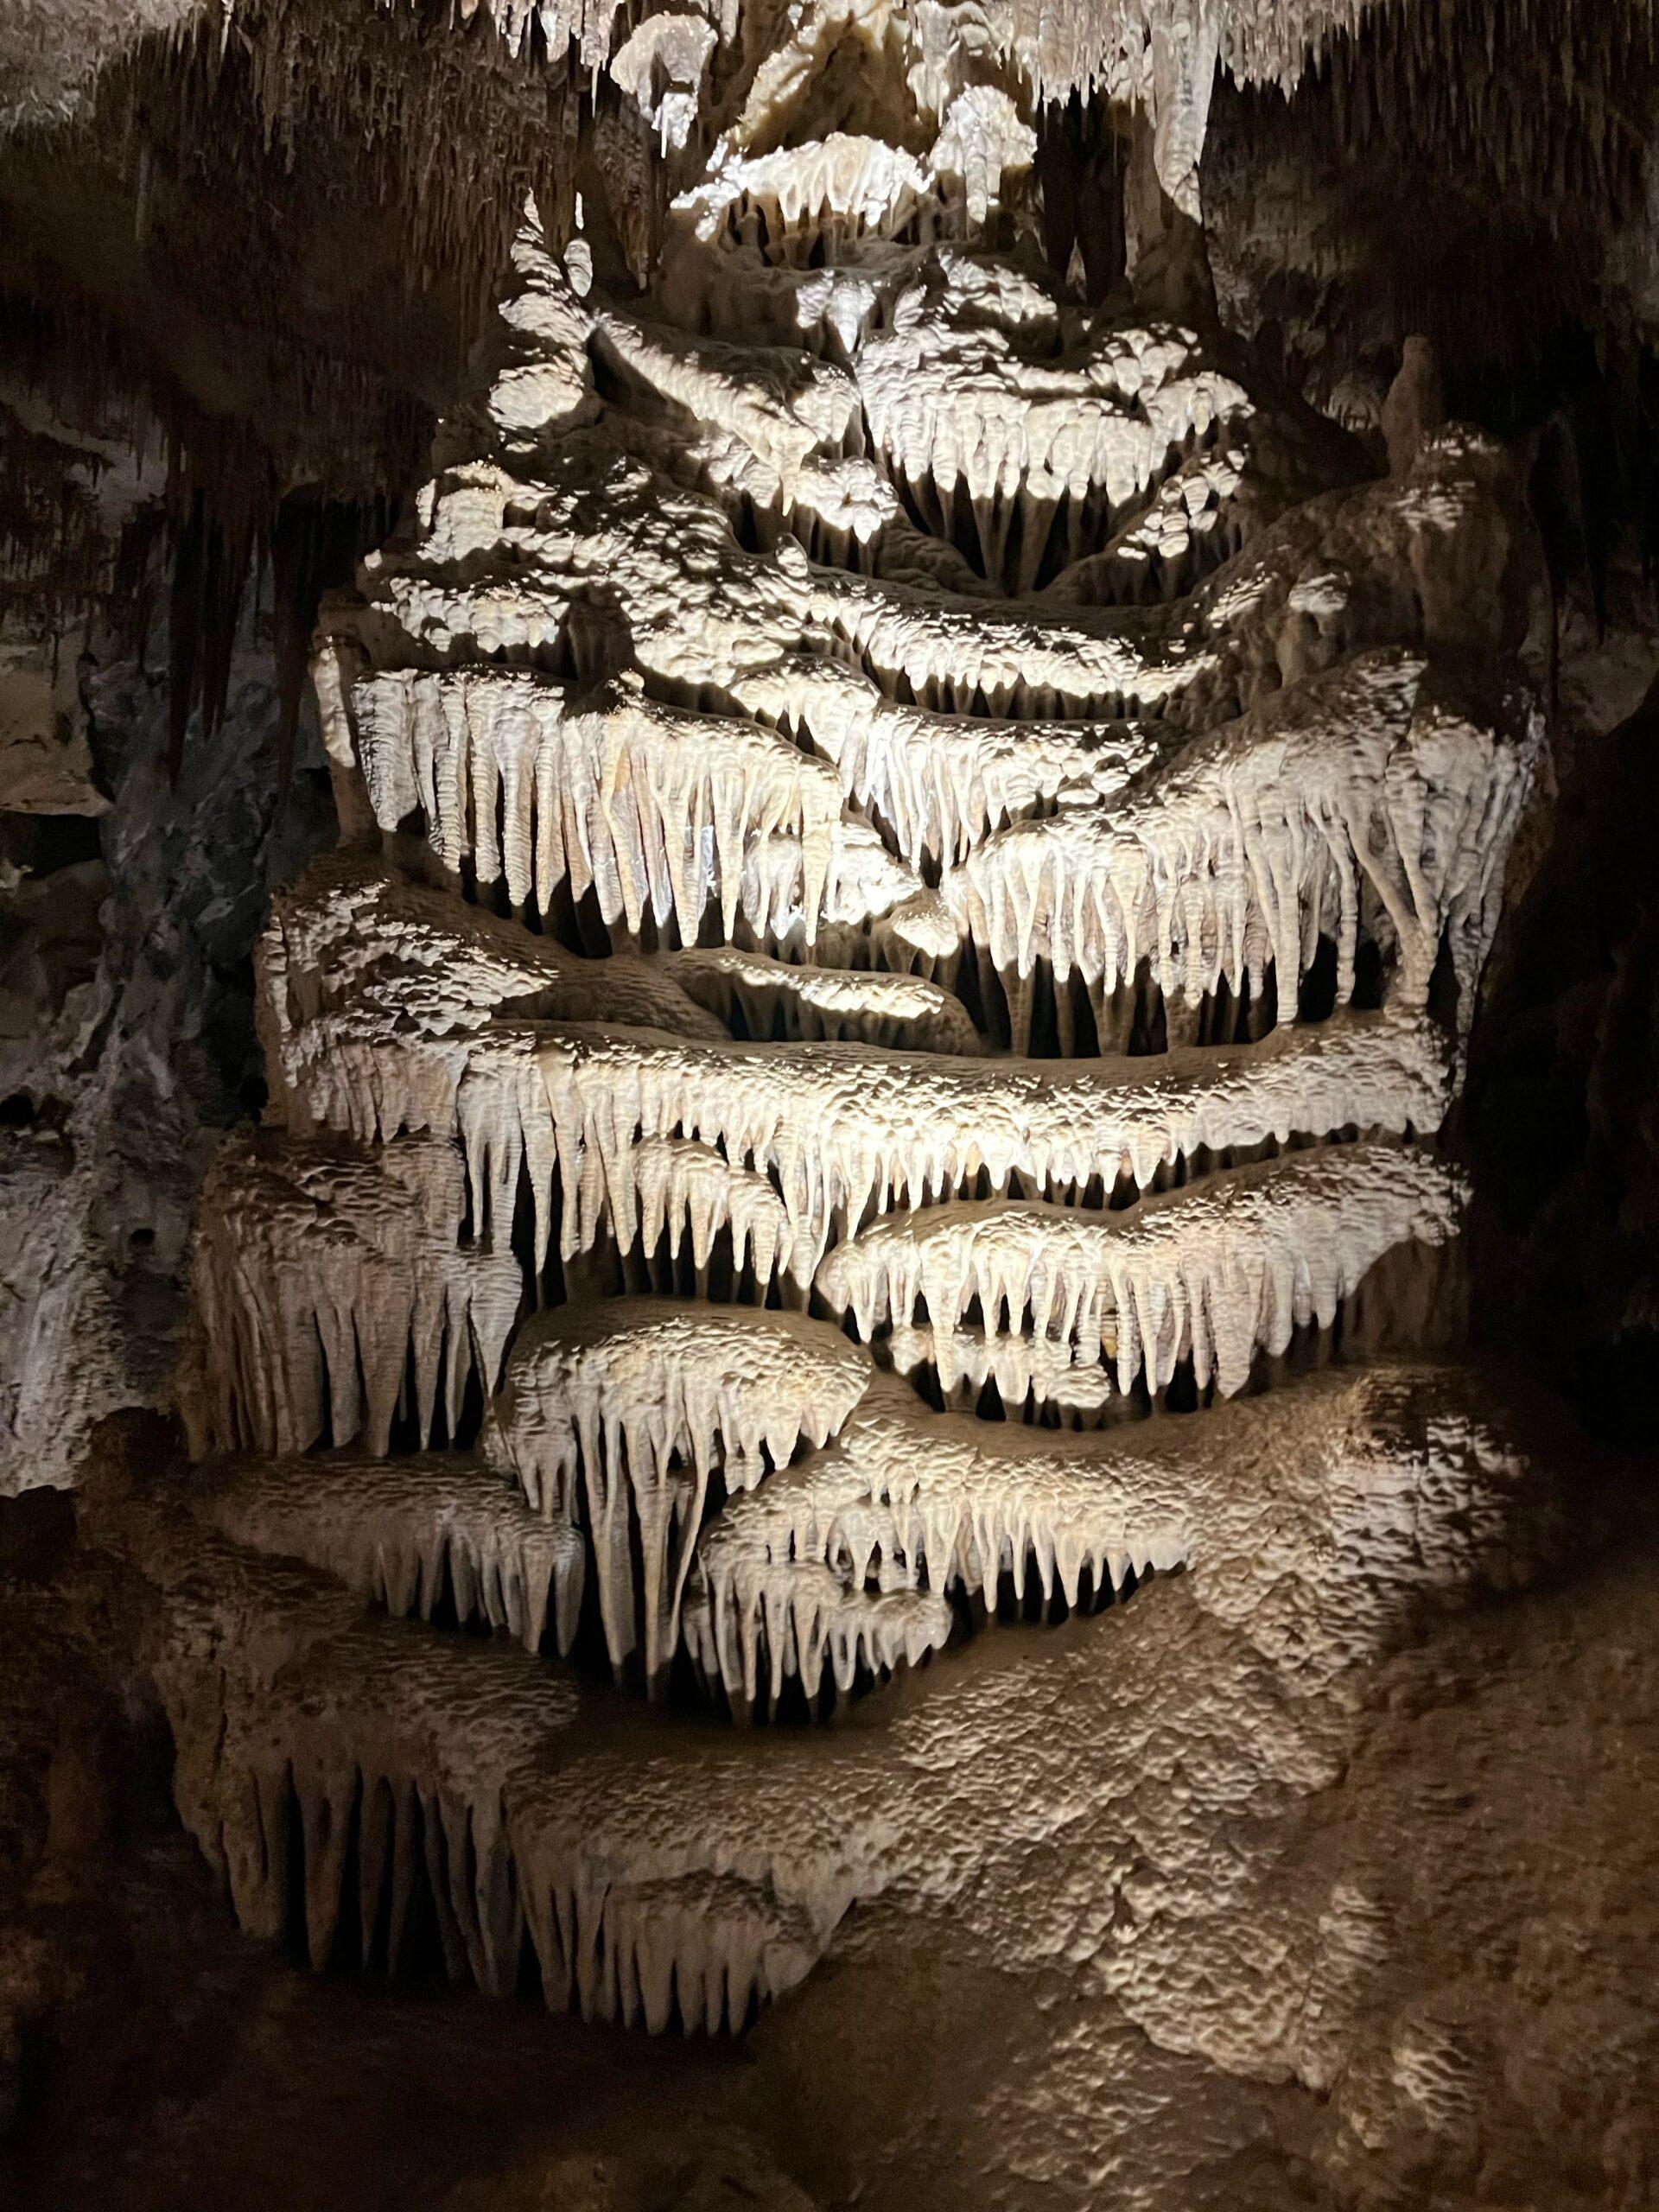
1368, 797
211, 554
646, 1400
387, 1006
866, 1539
415, 1535
326, 1279
1225, 1268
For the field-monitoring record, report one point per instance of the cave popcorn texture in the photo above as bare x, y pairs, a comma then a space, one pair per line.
827, 930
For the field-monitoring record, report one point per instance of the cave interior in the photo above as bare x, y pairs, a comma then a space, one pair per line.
829, 1105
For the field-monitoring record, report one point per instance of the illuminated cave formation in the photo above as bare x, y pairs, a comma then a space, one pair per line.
830, 918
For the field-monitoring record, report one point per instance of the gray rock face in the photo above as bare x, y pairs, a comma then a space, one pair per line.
127, 1048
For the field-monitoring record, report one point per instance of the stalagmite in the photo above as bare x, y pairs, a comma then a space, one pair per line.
1415, 406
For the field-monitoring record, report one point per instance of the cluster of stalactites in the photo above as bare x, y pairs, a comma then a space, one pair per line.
331, 1296
660, 814
353, 1762
806, 1140
1214, 1274
753, 1623
1153, 54
323, 1752
388, 1006
618, 1414
911, 1509
615, 1417
415, 1535
849, 1561
846, 1136
1366, 802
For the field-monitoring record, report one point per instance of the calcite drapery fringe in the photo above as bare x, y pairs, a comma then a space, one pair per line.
413, 1535
644, 1401
1214, 1272
330, 1291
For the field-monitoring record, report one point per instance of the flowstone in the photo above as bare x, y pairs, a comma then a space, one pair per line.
917, 871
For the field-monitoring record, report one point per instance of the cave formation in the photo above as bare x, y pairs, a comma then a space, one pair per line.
827, 1129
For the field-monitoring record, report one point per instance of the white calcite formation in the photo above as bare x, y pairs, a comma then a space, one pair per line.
688, 1193
1314, 1523
1365, 800
912, 1504
971, 407
905, 839
637, 1403
1042, 1371
388, 1040
653, 809
1216, 1272
758, 997
841, 1131
331, 1296
758, 1617
413, 1534
428, 1765
940, 783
